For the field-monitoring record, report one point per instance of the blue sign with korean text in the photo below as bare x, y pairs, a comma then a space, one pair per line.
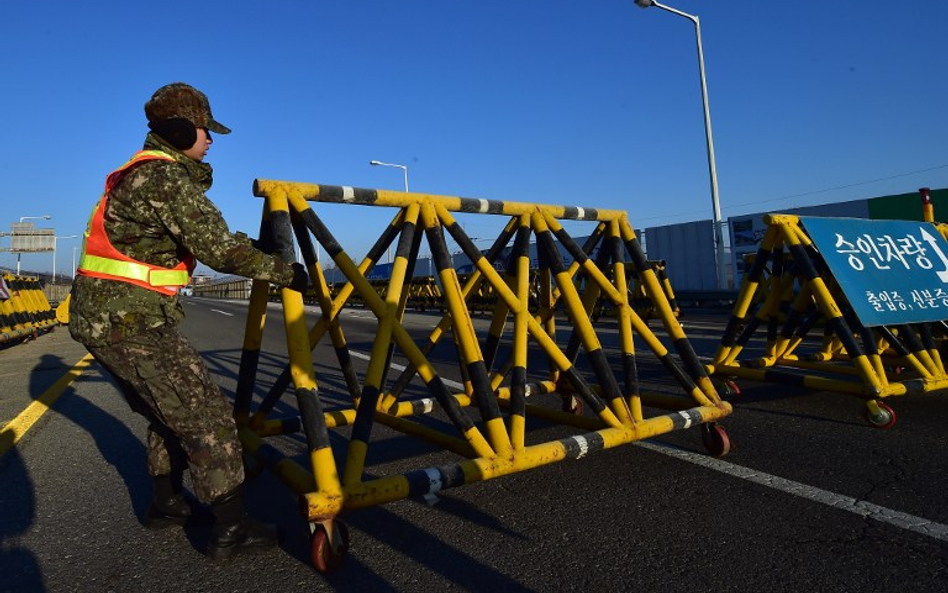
891, 271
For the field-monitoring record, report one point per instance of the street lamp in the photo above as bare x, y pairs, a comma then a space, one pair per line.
22, 218
404, 169
718, 239
43, 217
54, 253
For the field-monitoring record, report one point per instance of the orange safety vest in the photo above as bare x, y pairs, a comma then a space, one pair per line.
100, 259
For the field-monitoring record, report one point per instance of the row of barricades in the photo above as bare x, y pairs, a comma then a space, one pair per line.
24, 309
639, 298
522, 369
424, 293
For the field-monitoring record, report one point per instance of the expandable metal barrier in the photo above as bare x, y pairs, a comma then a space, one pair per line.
26, 312
496, 378
424, 294
789, 292
639, 298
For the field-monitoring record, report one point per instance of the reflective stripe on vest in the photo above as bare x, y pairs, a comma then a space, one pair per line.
135, 271
107, 262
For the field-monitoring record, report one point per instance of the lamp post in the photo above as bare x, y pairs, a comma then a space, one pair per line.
54, 253
404, 169
716, 205
22, 218
74, 261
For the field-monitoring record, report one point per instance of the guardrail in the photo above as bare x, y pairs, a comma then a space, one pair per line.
228, 288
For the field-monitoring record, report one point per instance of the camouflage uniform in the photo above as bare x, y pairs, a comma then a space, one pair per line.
158, 214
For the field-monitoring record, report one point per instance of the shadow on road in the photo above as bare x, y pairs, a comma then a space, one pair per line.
403, 541
116, 443
20, 570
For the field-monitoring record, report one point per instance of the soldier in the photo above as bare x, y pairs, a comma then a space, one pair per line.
151, 224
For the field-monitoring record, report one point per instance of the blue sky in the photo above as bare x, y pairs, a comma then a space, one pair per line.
580, 102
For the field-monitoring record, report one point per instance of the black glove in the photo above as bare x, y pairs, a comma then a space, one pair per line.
300, 280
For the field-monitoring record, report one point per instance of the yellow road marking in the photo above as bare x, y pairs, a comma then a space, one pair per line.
16, 428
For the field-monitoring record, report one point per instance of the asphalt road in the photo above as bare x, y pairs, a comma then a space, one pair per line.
809, 499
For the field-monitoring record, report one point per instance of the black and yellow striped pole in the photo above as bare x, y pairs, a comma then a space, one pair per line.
524, 305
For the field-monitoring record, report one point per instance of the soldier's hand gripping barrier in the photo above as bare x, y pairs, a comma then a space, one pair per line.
790, 293
519, 369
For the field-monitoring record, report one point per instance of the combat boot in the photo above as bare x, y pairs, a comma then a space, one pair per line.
167, 507
168, 512
235, 532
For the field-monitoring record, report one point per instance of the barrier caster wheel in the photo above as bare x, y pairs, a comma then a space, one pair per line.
883, 418
328, 555
573, 405
727, 388
715, 439
734, 387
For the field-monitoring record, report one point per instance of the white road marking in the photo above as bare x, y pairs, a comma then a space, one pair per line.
358, 314
398, 367
222, 312
842, 502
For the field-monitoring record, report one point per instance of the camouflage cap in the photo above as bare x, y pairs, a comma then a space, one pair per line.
183, 100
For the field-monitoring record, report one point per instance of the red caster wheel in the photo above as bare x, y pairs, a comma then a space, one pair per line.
883, 416
715, 439
727, 388
328, 555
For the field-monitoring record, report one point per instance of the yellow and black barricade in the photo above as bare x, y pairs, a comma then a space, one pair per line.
639, 298
514, 371
790, 293
26, 312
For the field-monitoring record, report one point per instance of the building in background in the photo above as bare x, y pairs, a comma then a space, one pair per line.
688, 252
